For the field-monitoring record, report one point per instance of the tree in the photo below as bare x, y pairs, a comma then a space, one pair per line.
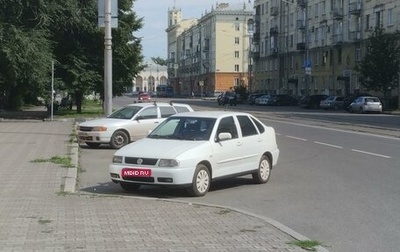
159, 61
25, 51
380, 66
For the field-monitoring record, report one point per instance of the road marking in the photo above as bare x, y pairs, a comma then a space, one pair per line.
297, 138
330, 145
370, 153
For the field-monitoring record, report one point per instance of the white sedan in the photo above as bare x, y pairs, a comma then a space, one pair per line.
262, 100
194, 149
127, 124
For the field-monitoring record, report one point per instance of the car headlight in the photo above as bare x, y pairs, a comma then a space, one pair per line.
117, 159
99, 128
168, 163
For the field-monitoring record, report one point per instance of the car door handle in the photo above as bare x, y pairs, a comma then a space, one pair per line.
239, 144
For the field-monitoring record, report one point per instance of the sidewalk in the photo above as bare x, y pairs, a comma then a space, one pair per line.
37, 214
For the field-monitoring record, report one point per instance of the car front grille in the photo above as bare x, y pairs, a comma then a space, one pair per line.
144, 161
83, 128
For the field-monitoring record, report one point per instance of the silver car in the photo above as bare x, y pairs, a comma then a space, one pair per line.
127, 124
364, 104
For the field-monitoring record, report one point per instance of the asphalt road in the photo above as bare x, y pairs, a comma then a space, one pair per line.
335, 182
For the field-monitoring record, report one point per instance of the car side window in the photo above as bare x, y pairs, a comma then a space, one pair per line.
227, 124
167, 111
181, 109
260, 127
148, 113
247, 127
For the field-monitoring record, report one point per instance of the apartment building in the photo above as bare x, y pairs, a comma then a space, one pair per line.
210, 55
313, 46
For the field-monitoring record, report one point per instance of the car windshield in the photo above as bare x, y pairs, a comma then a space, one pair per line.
184, 128
125, 113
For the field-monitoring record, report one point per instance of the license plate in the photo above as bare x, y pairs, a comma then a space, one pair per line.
132, 172
83, 134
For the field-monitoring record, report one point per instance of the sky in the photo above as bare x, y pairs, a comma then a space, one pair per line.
155, 15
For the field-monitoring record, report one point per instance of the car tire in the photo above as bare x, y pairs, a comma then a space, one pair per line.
92, 145
119, 139
264, 171
201, 181
129, 187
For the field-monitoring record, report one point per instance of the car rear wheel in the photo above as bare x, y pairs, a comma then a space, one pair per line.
201, 181
264, 171
93, 145
119, 139
129, 187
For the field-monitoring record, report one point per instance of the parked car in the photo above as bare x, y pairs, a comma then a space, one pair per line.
195, 149
227, 98
366, 104
262, 100
251, 99
144, 97
282, 100
127, 124
350, 98
313, 101
332, 102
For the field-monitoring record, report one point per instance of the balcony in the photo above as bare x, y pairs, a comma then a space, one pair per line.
301, 46
337, 13
355, 8
274, 51
355, 36
337, 39
274, 11
273, 30
300, 24
256, 37
302, 3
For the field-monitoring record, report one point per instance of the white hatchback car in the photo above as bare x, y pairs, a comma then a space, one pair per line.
194, 149
262, 100
365, 104
127, 124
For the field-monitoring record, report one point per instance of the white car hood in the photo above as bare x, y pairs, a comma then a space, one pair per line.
159, 148
105, 122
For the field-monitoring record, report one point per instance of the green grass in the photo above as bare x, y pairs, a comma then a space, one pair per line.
63, 161
90, 108
306, 244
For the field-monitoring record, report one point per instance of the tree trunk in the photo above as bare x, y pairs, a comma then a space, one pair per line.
78, 101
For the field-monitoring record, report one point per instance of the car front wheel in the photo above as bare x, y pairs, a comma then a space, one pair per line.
201, 181
264, 171
119, 139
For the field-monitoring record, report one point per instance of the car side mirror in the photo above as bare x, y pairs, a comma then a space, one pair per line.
224, 136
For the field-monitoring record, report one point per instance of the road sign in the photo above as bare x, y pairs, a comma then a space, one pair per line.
308, 70
307, 63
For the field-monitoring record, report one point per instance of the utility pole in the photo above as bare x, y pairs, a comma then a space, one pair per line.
107, 59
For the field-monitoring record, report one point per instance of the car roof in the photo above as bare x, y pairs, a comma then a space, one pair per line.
210, 114
157, 104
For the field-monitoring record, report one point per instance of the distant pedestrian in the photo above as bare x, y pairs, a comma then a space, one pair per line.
192, 94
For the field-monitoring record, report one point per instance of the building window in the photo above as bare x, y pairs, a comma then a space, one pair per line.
324, 57
358, 54
378, 19
322, 5
339, 56
236, 54
390, 17
291, 40
237, 82
316, 10
237, 68
237, 27
237, 40
316, 58
367, 25
291, 62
